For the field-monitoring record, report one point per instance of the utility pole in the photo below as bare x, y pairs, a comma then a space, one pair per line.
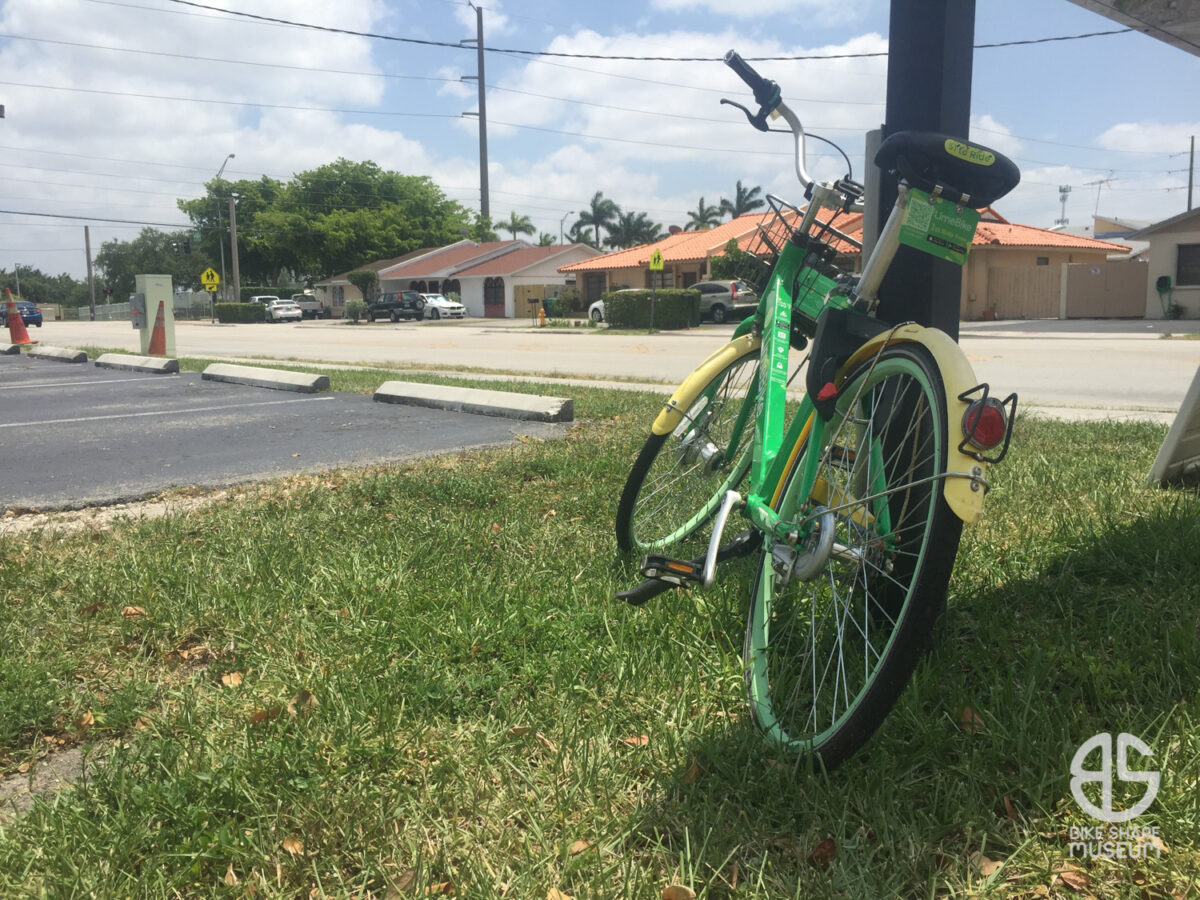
237, 280
561, 222
87, 246
484, 204
220, 228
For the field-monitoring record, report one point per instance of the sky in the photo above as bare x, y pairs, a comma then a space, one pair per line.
114, 109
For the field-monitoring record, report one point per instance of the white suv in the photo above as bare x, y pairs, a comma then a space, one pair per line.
283, 310
440, 307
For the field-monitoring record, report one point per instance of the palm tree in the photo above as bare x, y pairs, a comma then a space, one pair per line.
517, 225
546, 239
601, 213
744, 201
632, 229
703, 216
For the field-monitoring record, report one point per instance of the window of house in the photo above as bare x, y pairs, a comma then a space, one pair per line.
339, 296
1187, 265
662, 279
450, 286
493, 291
1043, 260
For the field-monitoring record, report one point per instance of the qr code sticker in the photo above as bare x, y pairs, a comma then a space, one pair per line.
919, 216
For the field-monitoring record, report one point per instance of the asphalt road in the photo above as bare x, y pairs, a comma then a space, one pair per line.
1115, 365
72, 435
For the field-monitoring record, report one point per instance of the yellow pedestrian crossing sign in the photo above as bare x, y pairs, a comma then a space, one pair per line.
210, 279
656, 261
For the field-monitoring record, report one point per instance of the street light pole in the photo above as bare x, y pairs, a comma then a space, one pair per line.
237, 282
560, 224
220, 228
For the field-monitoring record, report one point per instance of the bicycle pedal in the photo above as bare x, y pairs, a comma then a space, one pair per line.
673, 571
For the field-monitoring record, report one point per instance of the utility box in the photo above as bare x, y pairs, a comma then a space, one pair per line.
137, 311
154, 289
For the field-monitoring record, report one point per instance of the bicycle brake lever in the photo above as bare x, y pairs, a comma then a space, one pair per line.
758, 121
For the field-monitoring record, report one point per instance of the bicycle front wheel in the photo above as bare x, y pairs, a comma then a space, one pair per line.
679, 478
836, 627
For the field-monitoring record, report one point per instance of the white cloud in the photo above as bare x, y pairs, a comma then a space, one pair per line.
1155, 138
817, 11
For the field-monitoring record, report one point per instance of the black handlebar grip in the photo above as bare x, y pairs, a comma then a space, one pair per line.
764, 90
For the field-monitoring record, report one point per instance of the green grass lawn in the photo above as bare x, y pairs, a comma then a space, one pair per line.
413, 680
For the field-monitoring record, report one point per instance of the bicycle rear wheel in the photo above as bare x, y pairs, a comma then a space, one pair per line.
678, 479
836, 628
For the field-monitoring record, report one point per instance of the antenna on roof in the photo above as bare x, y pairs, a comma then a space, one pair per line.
1063, 191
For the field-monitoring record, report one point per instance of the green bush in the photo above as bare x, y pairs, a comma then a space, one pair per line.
257, 290
556, 308
228, 313
672, 309
354, 309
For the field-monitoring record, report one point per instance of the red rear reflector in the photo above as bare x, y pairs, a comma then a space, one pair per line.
733, 292
985, 424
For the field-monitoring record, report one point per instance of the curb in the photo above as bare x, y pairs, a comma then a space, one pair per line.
62, 354
275, 379
158, 365
527, 407
10, 349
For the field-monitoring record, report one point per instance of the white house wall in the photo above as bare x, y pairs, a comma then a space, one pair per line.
1163, 257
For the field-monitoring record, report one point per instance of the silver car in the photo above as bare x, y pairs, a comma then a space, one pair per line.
438, 306
283, 311
721, 300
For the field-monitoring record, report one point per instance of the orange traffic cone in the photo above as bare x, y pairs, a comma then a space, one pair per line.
16, 327
158, 337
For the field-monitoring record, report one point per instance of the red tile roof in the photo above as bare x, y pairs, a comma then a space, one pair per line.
685, 246
516, 260
992, 234
447, 258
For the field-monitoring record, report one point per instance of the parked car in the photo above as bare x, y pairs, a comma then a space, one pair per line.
311, 307
264, 299
719, 300
397, 305
596, 310
283, 311
438, 306
30, 313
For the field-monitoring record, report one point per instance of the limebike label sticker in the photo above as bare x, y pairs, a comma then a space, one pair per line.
938, 227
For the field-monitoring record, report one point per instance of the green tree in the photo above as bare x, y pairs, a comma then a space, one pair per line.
152, 251
632, 229
42, 288
579, 233
481, 230
326, 220
745, 200
517, 225
545, 239
703, 216
366, 280
601, 213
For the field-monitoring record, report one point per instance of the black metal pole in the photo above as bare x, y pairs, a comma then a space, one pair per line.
928, 89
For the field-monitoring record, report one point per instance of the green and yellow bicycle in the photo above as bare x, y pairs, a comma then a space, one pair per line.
855, 502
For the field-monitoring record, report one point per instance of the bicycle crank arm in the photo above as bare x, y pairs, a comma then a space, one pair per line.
743, 545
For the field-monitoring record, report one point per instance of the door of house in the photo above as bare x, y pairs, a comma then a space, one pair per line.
493, 298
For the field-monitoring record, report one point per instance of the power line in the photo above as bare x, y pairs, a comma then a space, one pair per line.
20, 212
564, 55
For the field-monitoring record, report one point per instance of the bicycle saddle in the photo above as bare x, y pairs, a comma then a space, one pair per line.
967, 172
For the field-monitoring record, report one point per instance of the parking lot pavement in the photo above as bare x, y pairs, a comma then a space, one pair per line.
74, 435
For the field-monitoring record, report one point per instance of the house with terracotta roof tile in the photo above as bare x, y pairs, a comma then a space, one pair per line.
685, 259
493, 279
1013, 271
1174, 254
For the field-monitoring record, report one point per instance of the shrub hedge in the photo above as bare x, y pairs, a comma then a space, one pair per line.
229, 313
673, 309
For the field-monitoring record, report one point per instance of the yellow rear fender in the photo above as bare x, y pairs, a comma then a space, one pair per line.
685, 395
965, 488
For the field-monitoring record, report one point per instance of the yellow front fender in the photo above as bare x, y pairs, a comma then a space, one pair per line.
685, 395
965, 488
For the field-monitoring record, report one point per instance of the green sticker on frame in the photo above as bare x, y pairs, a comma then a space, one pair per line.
938, 227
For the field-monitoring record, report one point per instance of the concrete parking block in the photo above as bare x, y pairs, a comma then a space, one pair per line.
63, 354
527, 407
275, 379
158, 365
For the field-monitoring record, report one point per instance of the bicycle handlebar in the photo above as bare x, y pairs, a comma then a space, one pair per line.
766, 93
